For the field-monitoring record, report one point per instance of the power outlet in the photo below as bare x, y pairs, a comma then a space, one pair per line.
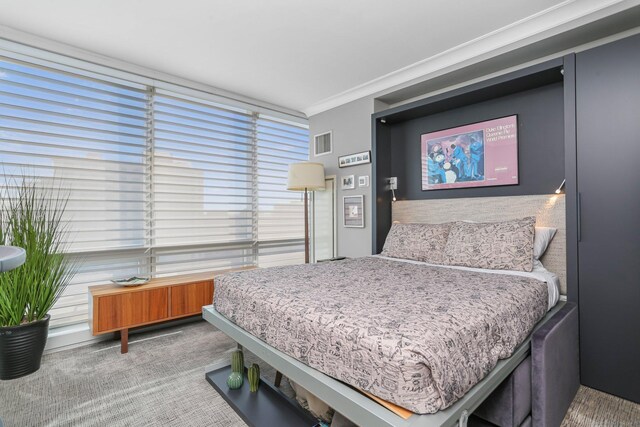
393, 183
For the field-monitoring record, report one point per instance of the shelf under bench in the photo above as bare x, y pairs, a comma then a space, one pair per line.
265, 408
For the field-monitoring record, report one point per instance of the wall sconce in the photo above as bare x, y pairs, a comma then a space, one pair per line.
559, 189
393, 186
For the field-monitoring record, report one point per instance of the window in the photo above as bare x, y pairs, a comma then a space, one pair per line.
280, 214
89, 137
160, 183
202, 186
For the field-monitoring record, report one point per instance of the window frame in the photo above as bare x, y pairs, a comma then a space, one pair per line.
13, 52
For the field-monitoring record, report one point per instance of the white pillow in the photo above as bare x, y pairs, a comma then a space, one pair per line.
541, 240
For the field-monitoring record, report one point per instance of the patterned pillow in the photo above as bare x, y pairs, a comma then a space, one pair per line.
504, 245
419, 242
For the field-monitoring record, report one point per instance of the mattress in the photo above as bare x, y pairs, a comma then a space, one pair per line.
539, 272
417, 335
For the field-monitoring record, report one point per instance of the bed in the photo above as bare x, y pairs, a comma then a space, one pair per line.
387, 326
434, 339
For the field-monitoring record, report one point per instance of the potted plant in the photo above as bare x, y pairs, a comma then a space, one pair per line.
31, 217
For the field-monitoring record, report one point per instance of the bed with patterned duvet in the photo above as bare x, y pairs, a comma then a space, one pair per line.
414, 334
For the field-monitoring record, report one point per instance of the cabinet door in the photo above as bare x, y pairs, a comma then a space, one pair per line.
608, 159
131, 309
188, 299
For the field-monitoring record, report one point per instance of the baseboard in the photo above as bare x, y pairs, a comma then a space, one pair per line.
74, 336
71, 336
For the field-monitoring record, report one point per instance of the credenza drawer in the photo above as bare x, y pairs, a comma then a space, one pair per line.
132, 308
189, 299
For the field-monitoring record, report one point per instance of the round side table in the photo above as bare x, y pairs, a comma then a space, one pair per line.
11, 257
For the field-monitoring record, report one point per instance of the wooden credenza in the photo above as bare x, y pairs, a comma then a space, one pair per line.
114, 308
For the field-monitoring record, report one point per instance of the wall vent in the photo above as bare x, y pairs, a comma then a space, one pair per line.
322, 144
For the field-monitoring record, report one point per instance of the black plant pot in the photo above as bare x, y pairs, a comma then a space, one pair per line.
21, 348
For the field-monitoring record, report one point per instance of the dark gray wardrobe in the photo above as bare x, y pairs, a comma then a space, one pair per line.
608, 182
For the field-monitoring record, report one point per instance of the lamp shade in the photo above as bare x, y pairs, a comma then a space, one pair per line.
306, 175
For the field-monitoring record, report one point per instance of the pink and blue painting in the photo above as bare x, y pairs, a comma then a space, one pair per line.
476, 155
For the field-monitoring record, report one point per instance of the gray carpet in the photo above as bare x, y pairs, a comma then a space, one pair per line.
594, 408
160, 382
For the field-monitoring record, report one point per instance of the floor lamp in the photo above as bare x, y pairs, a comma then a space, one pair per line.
306, 176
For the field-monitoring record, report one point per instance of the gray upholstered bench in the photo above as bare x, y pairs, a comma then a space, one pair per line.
539, 391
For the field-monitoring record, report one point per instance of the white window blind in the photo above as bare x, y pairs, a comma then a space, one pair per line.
88, 137
159, 183
280, 212
202, 185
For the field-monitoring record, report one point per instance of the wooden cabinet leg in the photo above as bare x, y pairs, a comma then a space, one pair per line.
278, 379
124, 341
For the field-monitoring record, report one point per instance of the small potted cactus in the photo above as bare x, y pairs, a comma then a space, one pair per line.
236, 378
253, 374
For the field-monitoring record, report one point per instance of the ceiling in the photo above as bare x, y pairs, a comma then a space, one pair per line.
303, 55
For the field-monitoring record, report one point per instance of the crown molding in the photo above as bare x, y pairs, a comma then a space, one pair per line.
563, 17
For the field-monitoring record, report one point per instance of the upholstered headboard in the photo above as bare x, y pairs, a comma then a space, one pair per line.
549, 211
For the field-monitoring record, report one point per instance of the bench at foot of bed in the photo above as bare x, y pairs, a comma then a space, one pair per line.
541, 388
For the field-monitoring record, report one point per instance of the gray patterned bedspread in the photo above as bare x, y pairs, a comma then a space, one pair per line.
415, 335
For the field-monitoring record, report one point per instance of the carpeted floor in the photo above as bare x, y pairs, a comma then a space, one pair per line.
160, 382
594, 408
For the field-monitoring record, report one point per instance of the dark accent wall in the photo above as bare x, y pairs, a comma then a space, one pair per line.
536, 94
571, 175
380, 172
540, 144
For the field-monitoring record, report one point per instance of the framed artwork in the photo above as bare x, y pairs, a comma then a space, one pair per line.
480, 154
354, 159
348, 182
353, 211
363, 181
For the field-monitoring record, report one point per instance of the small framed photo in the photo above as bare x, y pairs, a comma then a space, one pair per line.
348, 182
363, 181
354, 159
353, 210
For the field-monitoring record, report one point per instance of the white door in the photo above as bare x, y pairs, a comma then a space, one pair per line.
324, 231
